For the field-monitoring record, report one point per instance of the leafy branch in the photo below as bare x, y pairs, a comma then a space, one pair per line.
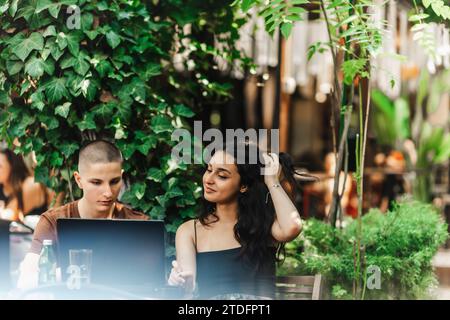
277, 13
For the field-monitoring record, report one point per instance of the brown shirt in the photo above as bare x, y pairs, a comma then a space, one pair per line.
46, 228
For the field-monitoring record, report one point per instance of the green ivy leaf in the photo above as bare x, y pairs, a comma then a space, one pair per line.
162, 200
5, 99
158, 213
19, 129
183, 111
63, 110
174, 192
88, 122
129, 198
74, 83
161, 123
103, 110
56, 89
188, 213
124, 108
155, 174
55, 52
45, 53
41, 174
23, 49
4, 6
56, 160
13, 66
42, 5
159, 108
67, 62
53, 7
49, 121
54, 11
37, 144
61, 40
127, 149
151, 71
73, 43
68, 149
87, 20
103, 68
138, 90
187, 199
13, 8
91, 34
81, 65
35, 67
139, 190
113, 39
25, 87
50, 31
37, 100
147, 145
4, 117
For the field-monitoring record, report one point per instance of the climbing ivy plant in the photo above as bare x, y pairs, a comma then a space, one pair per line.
74, 70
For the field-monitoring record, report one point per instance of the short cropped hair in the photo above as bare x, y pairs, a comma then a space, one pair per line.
99, 151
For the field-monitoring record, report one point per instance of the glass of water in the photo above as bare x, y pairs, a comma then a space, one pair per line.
81, 260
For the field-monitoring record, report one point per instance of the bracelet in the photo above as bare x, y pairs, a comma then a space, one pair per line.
275, 185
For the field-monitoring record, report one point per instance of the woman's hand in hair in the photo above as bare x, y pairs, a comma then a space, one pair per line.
287, 224
272, 168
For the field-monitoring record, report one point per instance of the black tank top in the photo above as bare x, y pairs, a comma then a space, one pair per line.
223, 273
37, 211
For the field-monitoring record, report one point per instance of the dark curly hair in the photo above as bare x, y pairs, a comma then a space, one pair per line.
256, 212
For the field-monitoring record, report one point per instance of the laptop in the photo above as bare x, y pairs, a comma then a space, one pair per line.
126, 254
5, 276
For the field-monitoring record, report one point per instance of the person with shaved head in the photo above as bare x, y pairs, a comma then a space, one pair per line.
99, 176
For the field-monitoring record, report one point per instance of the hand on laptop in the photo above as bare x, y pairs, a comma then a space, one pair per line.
181, 278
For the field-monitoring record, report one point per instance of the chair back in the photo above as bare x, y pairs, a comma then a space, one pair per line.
299, 287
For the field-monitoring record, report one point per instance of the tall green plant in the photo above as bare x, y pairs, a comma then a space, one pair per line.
73, 70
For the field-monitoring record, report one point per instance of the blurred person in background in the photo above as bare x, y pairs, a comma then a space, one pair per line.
22, 195
393, 184
349, 199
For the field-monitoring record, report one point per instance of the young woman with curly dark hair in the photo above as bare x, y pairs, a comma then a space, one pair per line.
231, 250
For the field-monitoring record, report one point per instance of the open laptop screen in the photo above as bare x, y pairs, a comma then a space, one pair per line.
4, 255
125, 253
